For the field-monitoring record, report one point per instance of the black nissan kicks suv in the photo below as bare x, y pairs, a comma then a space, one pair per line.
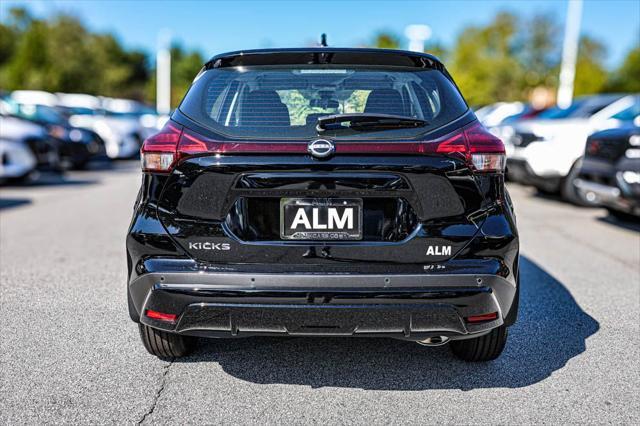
324, 192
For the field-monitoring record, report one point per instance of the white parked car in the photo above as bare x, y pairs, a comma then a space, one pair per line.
122, 134
16, 160
32, 137
546, 152
494, 114
149, 120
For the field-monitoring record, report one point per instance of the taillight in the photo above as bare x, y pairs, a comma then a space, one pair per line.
593, 146
488, 162
160, 151
482, 151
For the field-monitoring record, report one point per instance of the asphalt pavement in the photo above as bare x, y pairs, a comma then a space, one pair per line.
69, 353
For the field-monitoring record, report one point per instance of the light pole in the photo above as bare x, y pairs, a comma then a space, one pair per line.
163, 73
417, 35
569, 53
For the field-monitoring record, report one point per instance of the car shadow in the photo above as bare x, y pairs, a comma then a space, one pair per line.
7, 203
48, 178
551, 330
106, 164
629, 225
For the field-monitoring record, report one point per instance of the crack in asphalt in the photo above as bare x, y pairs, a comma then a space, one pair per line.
163, 381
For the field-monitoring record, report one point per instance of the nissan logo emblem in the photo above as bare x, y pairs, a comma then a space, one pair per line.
321, 148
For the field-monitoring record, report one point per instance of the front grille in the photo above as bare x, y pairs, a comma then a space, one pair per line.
41, 149
606, 149
384, 219
602, 179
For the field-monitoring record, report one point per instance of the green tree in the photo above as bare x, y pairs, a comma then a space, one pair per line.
124, 73
28, 67
386, 40
591, 75
8, 41
389, 40
437, 49
61, 55
627, 77
539, 51
484, 63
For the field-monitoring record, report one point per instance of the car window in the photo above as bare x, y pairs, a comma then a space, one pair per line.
557, 112
630, 113
284, 102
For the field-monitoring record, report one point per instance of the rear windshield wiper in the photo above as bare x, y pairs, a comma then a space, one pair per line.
367, 121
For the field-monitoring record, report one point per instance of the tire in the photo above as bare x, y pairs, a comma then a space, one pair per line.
79, 164
165, 345
483, 348
570, 192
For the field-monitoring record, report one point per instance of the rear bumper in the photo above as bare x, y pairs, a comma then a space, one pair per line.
607, 183
604, 194
411, 307
609, 196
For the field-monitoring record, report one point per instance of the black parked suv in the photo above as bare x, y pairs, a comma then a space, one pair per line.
610, 173
324, 192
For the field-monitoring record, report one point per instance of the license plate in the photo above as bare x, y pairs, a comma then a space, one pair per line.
321, 218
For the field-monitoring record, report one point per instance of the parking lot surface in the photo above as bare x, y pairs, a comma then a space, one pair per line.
70, 354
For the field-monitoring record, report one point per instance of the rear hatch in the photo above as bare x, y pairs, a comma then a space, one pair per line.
398, 188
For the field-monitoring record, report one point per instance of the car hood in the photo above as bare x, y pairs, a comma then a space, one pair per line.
17, 129
119, 125
549, 128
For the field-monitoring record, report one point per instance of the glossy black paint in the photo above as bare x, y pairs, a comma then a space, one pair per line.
325, 55
205, 199
250, 281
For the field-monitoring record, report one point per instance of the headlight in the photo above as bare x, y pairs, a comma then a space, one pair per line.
632, 153
75, 135
58, 132
631, 177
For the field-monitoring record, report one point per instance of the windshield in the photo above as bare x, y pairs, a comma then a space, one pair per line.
41, 113
581, 108
76, 110
284, 102
557, 112
630, 113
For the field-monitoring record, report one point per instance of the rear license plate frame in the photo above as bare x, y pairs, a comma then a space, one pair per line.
318, 234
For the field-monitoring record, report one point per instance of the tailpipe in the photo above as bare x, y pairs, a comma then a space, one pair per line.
434, 341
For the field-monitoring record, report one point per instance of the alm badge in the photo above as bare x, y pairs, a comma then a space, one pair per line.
439, 251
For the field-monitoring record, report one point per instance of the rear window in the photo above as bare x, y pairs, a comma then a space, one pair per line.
285, 102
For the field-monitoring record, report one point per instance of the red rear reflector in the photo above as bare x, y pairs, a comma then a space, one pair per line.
160, 316
483, 317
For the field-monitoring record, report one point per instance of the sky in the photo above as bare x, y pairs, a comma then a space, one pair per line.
220, 26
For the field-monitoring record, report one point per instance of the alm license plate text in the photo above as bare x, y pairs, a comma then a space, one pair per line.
321, 219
